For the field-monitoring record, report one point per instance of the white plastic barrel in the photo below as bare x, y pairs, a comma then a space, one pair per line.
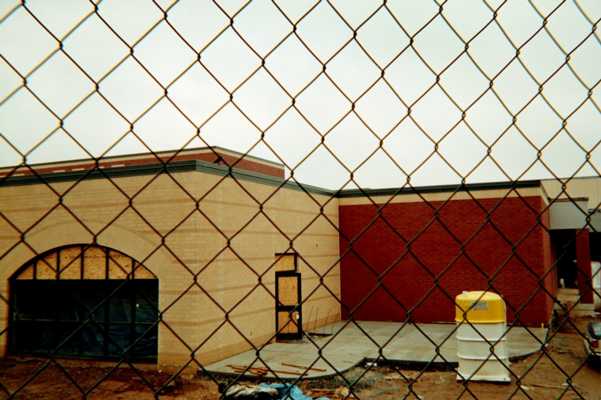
596, 275
485, 312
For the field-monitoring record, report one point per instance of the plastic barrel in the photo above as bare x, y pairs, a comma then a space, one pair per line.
481, 345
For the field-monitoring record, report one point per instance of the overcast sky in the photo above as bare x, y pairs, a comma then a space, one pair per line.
201, 92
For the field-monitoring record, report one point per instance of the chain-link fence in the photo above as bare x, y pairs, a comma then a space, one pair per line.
384, 199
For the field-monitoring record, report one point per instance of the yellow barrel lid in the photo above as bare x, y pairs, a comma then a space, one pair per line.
480, 307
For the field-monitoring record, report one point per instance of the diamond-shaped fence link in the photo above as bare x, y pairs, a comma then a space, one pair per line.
197, 197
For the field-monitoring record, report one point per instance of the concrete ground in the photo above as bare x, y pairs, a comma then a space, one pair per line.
349, 344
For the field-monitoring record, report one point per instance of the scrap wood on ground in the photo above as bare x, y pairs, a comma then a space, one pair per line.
267, 391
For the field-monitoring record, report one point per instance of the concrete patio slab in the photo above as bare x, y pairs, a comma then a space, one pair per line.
344, 345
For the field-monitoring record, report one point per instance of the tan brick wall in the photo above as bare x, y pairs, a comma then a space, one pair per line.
97, 207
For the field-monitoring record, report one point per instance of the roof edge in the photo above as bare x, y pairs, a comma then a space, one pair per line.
214, 149
462, 187
222, 170
177, 166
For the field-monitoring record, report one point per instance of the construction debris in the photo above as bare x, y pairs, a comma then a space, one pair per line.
343, 392
322, 392
265, 391
255, 392
261, 371
304, 368
241, 369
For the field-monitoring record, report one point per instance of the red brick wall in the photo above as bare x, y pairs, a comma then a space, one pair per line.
410, 282
255, 166
583, 257
550, 267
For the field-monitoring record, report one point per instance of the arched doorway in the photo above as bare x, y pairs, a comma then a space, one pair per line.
84, 301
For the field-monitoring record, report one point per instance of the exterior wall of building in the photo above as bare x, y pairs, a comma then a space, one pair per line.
589, 187
211, 239
416, 248
551, 279
237, 281
583, 265
577, 206
568, 214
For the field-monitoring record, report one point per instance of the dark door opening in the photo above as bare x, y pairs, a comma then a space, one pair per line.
595, 242
85, 318
564, 247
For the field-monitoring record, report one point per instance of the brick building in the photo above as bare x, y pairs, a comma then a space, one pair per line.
189, 245
427, 248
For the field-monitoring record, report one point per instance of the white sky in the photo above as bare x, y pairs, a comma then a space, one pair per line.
28, 125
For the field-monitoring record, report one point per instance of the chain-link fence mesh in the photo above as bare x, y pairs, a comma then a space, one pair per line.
297, 192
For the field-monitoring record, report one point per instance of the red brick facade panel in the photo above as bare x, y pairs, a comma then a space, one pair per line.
551, 277
254, 166
583, 258
422, 261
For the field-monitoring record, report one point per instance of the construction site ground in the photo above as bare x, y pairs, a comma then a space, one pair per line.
542, 376
346, 344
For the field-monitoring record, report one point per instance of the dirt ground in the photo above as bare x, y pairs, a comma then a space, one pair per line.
541, 377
